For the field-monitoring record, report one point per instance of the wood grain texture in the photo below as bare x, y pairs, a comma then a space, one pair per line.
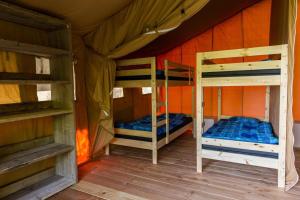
129, 170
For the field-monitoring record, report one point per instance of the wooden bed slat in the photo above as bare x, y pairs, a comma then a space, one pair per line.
273, 64
135, 61
122, 131
256, 51
241, 81
132, 143
133, 72
240, 158
241, 145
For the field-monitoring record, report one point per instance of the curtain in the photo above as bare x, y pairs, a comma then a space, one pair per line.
132, 28
291, 172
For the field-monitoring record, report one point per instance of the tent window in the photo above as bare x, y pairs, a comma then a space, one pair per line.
146, 90
118, 93
43, 90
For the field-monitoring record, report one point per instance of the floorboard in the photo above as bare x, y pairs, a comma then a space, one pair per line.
129, 171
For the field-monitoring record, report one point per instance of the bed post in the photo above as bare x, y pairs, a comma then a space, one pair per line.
267, 104
282, 117
199, 112
154, 108
167, 100
107, 150
193, 110
219, 103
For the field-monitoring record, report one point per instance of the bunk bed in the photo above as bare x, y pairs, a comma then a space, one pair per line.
239, 139
154, 131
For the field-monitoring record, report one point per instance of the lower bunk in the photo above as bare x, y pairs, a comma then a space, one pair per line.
242, 140
138, 133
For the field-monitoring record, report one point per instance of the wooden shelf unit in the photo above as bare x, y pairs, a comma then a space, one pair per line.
61, 144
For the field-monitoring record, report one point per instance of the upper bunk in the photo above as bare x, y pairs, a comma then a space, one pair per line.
267, 72
142, 72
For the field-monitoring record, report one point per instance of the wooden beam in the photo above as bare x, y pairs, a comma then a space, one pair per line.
256, 51
133, 84
267, 104
135, 61
240, 158
273, 148
132, 143
219, 103
133, 72
241, 81
283, 117
272, 64
122, 131
199, 106
166, 63
154, 111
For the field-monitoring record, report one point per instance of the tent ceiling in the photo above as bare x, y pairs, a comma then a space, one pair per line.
86, 15
215, 12
83, 15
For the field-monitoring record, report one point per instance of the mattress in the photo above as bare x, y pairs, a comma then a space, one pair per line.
176, 121
160, 75
243, 129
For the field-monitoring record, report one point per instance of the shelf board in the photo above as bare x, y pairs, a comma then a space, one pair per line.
19, 15
23, 158
31, 49
43, 189
33, 82
28, 78
32, 114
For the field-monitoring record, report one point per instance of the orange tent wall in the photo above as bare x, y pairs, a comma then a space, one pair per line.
249, 28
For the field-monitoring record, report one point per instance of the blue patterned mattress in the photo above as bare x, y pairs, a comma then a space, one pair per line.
243, 129
176, 121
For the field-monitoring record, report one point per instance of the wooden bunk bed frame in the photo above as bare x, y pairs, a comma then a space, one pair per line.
223, 78
171, 69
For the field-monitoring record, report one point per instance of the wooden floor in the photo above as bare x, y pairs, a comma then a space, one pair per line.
129, 174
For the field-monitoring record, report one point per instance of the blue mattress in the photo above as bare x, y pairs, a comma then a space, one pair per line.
243, 129
160, 75
176, 121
